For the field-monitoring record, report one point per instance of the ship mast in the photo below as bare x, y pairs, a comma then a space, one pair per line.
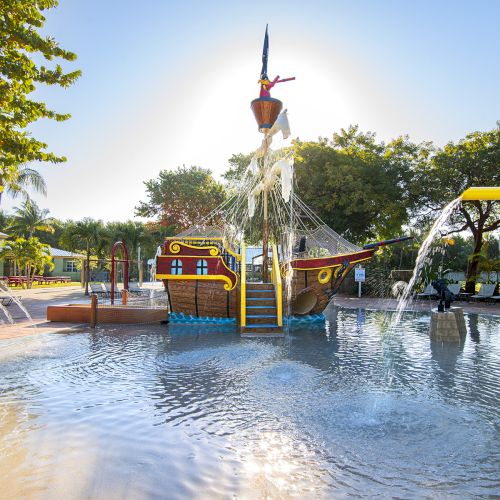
266, 109
265, 241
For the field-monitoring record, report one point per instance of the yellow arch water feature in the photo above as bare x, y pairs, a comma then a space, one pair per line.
481, 193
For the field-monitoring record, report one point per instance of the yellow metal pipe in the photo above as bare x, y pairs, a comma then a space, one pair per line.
243, 287
481, 193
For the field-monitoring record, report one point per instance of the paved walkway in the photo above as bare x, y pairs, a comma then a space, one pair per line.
383, 304
36, 301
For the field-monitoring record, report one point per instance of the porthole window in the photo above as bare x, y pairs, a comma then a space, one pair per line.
176, 267
202, 267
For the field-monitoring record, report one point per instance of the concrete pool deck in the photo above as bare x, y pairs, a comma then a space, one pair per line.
425, 305
36, 301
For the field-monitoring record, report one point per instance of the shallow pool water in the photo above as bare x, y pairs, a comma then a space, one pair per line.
345, 408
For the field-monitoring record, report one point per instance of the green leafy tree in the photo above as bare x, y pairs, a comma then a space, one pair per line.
473, 161
358, 186
85, 235
19, 180
5, 220
29, 255
20, 40
53, 238
238, 163
29, 218
180, 198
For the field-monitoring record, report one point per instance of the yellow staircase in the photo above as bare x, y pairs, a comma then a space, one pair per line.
261, 313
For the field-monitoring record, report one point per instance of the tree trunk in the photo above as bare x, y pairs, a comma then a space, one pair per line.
470, 279
87, 271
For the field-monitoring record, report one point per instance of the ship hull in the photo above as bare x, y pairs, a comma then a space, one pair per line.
314, 282
201, 299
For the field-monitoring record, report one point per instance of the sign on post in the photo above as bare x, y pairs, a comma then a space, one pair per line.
359, 277
359, 274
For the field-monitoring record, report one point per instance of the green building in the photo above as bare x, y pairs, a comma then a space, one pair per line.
66, 263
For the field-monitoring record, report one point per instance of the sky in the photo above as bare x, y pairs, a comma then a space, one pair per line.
168, 83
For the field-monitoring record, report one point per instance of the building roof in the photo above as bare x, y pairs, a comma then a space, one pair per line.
57, 252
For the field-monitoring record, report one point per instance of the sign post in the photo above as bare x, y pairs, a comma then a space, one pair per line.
359, 277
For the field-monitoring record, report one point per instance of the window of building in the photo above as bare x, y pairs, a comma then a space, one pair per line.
176, 267
202, 267
70, 266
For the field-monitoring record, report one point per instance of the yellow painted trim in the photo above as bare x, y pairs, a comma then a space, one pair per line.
481, 193
336, 273
207, 277
200, 238
277, 286
328, 276
189, 256
229, 251
175, 248
202, 257
315, 268
243, 288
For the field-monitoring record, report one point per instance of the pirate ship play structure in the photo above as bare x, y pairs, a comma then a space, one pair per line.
204, 269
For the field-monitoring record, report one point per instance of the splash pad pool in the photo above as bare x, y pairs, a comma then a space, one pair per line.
338, 409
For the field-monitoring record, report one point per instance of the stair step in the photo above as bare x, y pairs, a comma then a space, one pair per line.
261, 316
260, 294
261, 310
259, 286
261, 301
263, 325
260, 320
262, 330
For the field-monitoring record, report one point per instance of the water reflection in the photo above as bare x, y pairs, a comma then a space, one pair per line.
332, 410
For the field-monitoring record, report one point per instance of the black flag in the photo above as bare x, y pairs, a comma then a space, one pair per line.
265, 50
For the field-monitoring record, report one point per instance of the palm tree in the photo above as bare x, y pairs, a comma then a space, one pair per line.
29, 218
29, 255
16, 181
85, 234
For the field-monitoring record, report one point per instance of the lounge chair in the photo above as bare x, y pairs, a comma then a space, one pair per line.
108, 290
454, 288
486, 291
98, 289
6, 300
429, 292
134, 289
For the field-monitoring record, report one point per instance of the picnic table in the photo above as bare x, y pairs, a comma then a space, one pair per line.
42, 280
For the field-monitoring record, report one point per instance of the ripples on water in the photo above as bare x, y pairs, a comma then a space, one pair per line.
346, 409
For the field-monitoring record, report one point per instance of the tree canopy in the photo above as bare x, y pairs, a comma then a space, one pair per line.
21, 43
180, 198
84, 235
29, 255
472, 161
29, 218
357, 185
